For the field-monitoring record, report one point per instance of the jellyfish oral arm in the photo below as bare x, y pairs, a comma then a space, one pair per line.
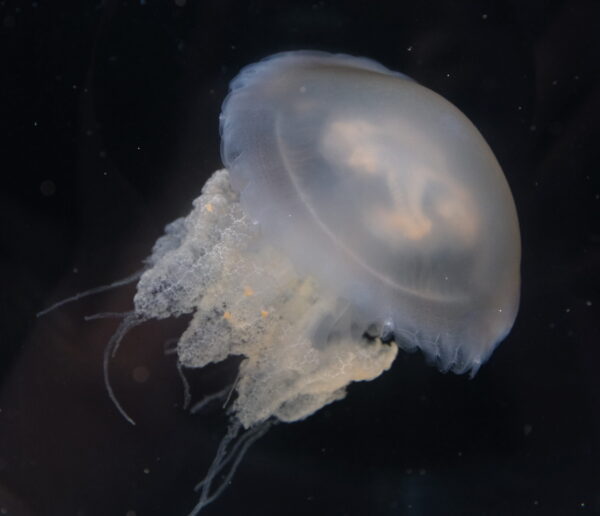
247, 299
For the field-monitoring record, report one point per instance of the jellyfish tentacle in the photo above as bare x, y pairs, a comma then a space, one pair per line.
210, 398
105, 315
215, 467
231, 389
233, 454
130, 321
232, 432
237, 456
187, 396
225, 457
96, 290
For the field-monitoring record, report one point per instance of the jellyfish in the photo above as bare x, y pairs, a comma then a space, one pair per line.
357, 213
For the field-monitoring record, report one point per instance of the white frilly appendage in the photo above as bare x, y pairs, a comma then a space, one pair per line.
301, 344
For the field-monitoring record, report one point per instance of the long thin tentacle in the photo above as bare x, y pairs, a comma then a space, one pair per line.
187, 395
227, 457
238, 455
96, 290
130, 321
198, 406
106, 315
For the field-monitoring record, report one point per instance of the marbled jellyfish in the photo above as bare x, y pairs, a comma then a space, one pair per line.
357, 212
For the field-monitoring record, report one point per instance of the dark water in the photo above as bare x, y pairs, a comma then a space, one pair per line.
109, 118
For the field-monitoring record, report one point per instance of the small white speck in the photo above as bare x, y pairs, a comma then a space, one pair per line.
520, 108
567, 310
138, 148
410, 48
484, 16
448, 75
500, 310
532, 127
74, 86
554, 82
146, 471
35, 123
75, 270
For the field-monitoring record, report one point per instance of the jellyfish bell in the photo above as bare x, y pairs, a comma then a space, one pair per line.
383, 191
358, 211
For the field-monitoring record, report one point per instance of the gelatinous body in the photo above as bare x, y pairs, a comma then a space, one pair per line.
358, 212
356, 202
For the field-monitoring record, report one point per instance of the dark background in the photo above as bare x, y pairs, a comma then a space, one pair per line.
109, 127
